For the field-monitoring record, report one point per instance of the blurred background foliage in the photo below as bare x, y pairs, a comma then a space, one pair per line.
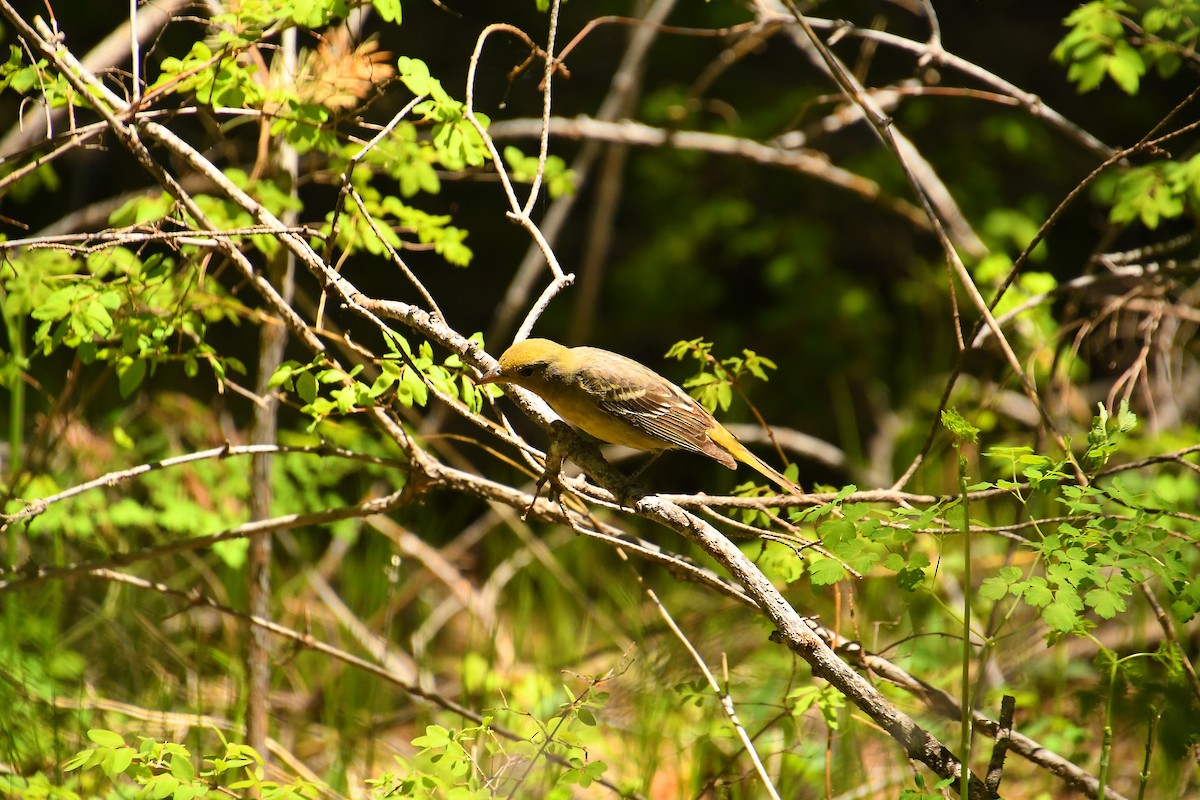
845, 292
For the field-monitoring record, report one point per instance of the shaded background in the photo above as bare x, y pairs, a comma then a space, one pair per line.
848, 297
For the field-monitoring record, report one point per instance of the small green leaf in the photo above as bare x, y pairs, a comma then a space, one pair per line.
306, 387
435, 737
910, 578
389, 10
834, 532
1060, 616
1126, 67
1037, 593
958, 426
414, 74
282, 375
105, 738
57, 305
1126, 419
122, 438
825, 571
163, 786
994, 588
130, 373
182, 767
1104, 602
78, 760
117, 761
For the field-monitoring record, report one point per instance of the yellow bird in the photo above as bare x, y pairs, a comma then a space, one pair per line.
619, 401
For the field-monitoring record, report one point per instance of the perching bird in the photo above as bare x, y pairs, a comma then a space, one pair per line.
619, 401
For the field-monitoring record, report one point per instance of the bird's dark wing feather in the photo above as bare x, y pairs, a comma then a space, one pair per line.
656, 407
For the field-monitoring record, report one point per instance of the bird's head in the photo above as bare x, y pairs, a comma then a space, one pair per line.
525, 363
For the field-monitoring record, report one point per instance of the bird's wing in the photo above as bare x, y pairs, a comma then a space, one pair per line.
656, 407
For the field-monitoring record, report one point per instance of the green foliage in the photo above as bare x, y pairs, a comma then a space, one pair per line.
403, 157
36, 666
559, 180
223, 80
822, 697
388, 10
1028, 319
1105, 40
859, 537
713, 385
1104, 437
116, 308
920, 791
387, 217
456, 139
843, 302
208, 497
217, 79
1173, 18
24, 78
959, 428
1110, 541
459, 763
404, 376
318, 13
1151, 193
38, 787
167, 769
759, 516
1096, 47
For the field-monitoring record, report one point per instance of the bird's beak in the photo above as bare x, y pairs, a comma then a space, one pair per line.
491, 376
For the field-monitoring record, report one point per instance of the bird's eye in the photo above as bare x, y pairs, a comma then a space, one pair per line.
525, 372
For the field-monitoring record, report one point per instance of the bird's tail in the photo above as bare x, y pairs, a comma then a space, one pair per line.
738, 450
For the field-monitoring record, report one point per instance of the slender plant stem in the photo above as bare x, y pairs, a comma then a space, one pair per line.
16, 446
967, 717
1144, 775
1106, 746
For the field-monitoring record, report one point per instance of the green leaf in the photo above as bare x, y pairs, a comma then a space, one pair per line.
1126, 419
130, 373
189, 792
306, 386
163, 786
282, 375
105, 738
958, 426
1126, 67
79, 760
57, 305
1060, 616
1088, 73
414, 74
1037, 593
834, 532
825, 571
417, 391
117, 761
1104, 602
182, 767
435, 737
389, 10
910, 578
994, 588
345, 397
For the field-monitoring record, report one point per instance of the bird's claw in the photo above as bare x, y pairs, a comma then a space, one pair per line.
537, 490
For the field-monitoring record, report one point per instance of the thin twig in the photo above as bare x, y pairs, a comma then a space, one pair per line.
722, 693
